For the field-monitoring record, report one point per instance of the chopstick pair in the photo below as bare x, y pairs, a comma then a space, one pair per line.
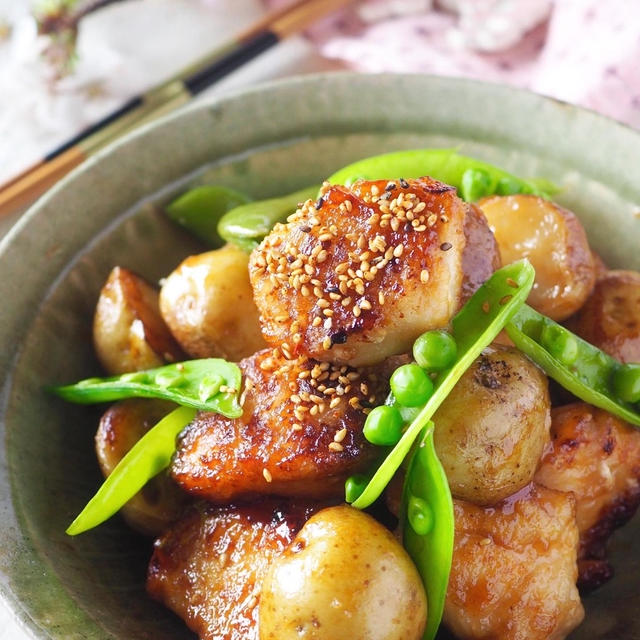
171, 94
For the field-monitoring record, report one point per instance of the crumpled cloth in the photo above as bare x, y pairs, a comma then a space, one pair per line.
586, 52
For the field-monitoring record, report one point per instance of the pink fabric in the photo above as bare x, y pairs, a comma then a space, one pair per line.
583, 51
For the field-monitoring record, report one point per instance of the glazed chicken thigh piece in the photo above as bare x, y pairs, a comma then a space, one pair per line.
300, 433
208, 568
596, 456
514, 568
358, 275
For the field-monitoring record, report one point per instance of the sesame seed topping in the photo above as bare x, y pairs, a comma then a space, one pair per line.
326, 344
445, 246
340, 435
336, 446
267, 475
424, 276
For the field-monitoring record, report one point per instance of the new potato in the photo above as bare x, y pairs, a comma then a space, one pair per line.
555, 243
492, 428
208, 304
610, 318
343, 576
129, 333
160, 502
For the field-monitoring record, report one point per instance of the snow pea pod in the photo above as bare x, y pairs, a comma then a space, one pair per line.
584, 370
428, 525
246, 225
146, 459
473, 327
473, 178
199, 210
210, 384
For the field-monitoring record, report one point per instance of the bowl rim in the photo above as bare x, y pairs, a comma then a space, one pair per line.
21, 236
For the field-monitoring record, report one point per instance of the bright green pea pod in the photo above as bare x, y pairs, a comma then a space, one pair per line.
428, 525
590, 373
199, 210
473, 178
146, 459
246, 225
210, 384
474, 327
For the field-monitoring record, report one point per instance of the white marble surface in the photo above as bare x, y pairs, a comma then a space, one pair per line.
34, 117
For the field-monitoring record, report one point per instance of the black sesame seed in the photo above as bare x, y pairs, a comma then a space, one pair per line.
403, 183
305, 229
445, 246
319, 203
333, 290
339, 337
390, 186
290, 258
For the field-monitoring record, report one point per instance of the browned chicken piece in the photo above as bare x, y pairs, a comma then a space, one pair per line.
597, 457
358, 275
610, 318
209, 567
129, 333
514, 569
300, 433
481, 255
160, 502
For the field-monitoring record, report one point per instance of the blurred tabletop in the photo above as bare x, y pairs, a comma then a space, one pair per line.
582, 51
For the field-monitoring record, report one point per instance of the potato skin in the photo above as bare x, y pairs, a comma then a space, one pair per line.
160, 502
208, 304
492, 428
344, 576
555, 243
129, 333
610, 318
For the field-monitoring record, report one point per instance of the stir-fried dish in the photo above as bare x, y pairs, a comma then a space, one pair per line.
348, 422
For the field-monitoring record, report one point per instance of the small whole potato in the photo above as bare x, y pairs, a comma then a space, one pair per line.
129, 333
343, 576
491, 430
555, 243
160, 501
610, 318
208, 304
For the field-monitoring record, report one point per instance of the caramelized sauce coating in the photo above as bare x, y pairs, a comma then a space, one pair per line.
361, 273
300, 433
208, 568
595, 456
514, 568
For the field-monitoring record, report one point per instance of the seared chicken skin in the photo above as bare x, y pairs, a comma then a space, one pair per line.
300, 433
208, 568
514, 568
596, 456
358, 275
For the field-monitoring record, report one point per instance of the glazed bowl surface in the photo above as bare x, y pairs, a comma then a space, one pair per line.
266, 141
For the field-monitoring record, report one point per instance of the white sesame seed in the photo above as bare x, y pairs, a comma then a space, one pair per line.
267, 475
336, 446
340, 435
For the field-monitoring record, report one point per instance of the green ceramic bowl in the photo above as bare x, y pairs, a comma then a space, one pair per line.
266, 141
